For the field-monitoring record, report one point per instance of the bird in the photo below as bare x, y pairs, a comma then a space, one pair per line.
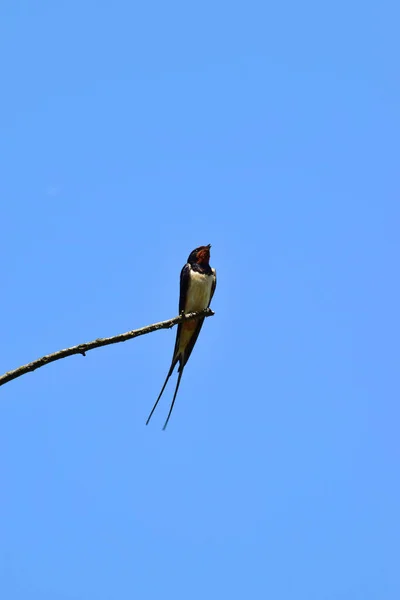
197, 286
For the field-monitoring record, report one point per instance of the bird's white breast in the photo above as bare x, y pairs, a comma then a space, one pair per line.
199, 292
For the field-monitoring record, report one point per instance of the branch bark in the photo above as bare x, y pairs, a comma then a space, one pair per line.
83, 348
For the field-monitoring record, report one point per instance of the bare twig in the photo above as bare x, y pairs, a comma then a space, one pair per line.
83, 348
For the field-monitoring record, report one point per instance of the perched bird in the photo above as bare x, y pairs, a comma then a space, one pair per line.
197, 287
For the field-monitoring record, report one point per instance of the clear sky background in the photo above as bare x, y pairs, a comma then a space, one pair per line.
130, 134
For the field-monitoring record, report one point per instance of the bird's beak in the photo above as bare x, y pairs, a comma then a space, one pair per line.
209, 246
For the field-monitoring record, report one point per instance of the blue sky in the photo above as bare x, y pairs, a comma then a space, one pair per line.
130, 134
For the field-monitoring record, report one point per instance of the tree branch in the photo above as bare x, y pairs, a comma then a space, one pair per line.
83, 348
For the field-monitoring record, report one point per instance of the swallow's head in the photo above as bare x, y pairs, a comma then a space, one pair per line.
200, 255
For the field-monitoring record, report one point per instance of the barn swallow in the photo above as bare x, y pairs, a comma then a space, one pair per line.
197, 286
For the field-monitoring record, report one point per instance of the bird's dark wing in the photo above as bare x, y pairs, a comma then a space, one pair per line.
214, 285
184, 286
